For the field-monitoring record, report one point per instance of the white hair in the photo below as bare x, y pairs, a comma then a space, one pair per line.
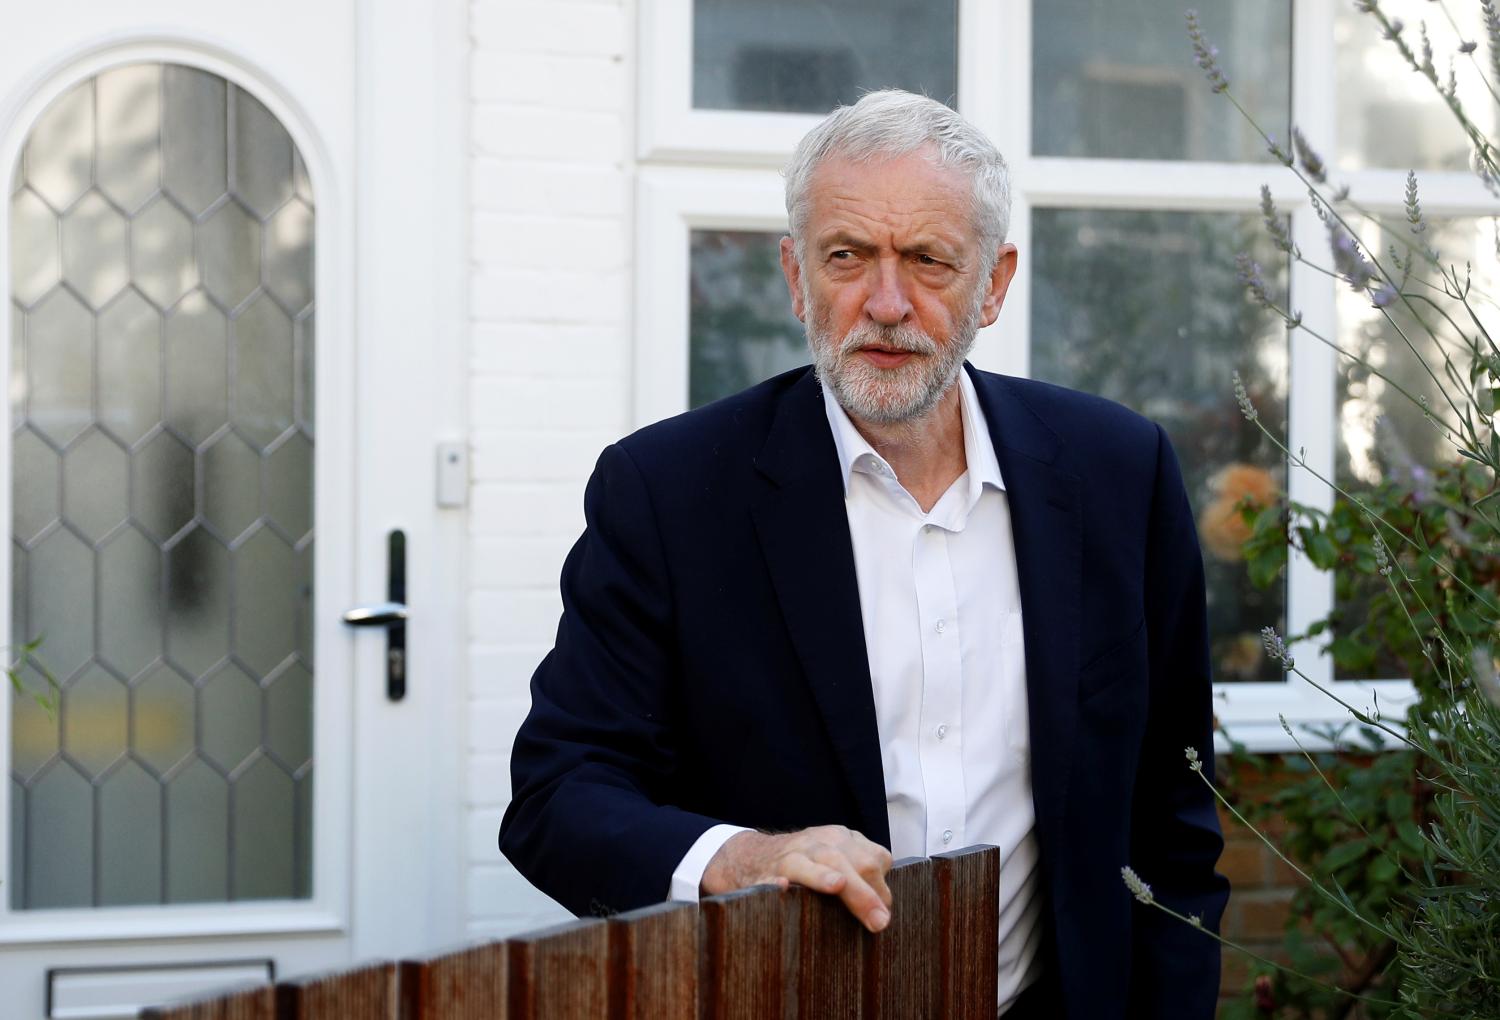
889, 124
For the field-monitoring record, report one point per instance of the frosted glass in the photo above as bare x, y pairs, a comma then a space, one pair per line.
162, 308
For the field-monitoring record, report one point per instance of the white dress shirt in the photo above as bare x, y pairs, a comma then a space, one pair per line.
942, 620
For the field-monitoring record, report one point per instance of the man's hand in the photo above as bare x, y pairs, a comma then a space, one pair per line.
829, 859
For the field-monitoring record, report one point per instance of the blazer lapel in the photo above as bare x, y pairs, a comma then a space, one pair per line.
804, 533
1046, 525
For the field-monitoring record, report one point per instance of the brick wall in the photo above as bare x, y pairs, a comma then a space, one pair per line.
551, 180
1259, 903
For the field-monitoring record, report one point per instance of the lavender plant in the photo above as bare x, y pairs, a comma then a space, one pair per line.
1400, 852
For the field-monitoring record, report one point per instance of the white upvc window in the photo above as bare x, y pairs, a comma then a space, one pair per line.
1134, 188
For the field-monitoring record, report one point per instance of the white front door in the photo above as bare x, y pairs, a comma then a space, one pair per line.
234, 267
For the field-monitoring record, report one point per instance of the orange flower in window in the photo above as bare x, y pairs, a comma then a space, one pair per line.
1221, 527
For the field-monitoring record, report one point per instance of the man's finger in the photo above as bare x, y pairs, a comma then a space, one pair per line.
865, 903
815, 874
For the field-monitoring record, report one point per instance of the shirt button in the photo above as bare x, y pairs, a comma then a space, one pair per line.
940, 625
947, 836
942, 731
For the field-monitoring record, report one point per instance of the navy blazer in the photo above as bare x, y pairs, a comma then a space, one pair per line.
710, 666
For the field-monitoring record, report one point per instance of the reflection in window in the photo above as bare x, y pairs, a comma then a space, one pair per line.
1116, 79
808, 56
1389, 115
1145, 308
1382, 435
740, 322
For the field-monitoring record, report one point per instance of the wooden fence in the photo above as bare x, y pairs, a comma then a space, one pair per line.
752, 954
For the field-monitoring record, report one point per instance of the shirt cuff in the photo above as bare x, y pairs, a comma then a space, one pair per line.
689, 874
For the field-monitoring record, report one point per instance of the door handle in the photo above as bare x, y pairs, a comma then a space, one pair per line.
390, 614
381, 614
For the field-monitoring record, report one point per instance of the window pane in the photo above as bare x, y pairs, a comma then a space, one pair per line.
1389, 115
740, 319
808, 56
162, 532
1382, 435
1145, 308
1116, 79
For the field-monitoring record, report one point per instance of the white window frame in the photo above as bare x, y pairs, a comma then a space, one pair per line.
714, 169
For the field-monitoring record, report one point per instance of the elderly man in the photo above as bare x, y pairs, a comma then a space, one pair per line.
891, 605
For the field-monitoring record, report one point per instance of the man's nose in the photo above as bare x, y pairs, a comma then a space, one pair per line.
887, 304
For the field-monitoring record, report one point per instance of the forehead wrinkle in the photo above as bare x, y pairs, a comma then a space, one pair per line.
904, 211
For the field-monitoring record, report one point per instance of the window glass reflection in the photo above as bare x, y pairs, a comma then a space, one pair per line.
808, 56
1389, 115
1116, 79
1145, 308
740, 319
1382, 435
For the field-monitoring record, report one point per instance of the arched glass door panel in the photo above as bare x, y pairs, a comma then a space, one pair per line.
161, 320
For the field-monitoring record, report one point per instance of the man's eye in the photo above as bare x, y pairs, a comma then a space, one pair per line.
841, 255
927, 260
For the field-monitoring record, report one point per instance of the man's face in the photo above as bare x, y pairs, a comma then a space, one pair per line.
892, 284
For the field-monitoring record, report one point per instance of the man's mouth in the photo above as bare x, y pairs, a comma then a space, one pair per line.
885, 357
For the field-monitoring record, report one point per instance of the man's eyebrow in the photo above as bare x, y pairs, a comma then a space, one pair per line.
843, 239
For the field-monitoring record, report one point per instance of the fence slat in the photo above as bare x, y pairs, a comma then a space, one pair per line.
968, 895
830, 955
250, 1004
756, 953
365, 993
560, 973
653, 954
465, 984
902, 963
744, 956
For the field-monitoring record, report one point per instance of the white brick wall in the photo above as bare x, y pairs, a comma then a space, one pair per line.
551, 178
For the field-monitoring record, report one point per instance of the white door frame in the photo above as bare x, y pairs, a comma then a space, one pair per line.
391, 267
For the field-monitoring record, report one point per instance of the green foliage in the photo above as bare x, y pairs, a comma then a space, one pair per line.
1389, 828
47, 699
1398, 837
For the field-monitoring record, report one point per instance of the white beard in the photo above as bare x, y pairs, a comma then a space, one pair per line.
907, 392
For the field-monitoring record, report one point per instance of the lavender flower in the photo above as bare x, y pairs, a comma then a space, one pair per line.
1243, 399
1382, 557
1276, 224
1427, 66
1207, 55
1319, 208
1311, 161
1276, 648
1138, 888
1413, 207
1194, 762
1468, 47
1249, 274
1350, 263
1492, 32
1274, 148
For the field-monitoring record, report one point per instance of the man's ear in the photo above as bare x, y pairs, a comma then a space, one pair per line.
1000, 277
792, 270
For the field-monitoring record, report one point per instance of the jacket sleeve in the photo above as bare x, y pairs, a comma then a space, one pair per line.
589, 822
1175, 837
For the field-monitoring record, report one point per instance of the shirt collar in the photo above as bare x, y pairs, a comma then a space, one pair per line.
855, 452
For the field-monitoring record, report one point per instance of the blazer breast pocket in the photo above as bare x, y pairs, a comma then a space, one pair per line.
1121, 660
